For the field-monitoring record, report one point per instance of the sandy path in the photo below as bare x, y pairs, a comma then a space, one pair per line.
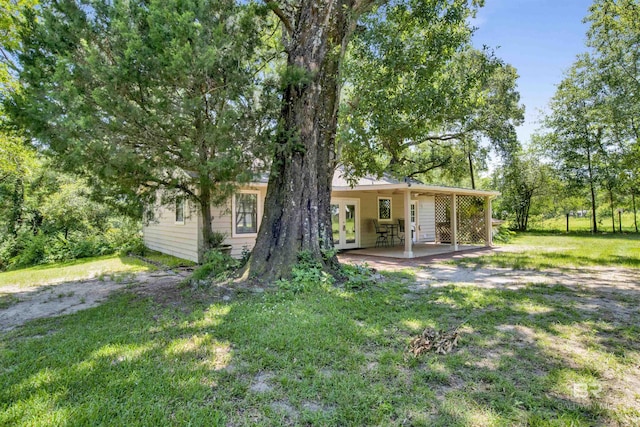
68, 297
65, 298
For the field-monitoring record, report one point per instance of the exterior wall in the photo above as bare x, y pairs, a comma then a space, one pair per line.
166, 236
369, 212
183, 240
222, 222
426, 219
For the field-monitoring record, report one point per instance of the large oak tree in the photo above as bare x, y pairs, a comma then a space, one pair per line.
316, 36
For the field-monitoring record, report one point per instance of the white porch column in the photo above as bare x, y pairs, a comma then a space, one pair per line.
454, 222
487, 222
408, 242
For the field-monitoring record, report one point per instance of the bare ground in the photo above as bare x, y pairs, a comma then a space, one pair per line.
68, 297
51, 300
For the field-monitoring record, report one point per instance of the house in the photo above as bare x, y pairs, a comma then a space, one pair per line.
176, 230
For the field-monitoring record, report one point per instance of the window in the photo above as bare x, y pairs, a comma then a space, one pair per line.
413, 213
180, 210
384, 208
245, 213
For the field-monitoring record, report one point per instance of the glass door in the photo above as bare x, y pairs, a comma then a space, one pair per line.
413, 223
345, 222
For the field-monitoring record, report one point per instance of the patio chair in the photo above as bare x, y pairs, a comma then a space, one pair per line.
383, 234
401, 232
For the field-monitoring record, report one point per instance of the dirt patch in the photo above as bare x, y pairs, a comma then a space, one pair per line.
70, 297
261, 383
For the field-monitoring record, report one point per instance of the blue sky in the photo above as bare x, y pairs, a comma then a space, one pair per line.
541, 39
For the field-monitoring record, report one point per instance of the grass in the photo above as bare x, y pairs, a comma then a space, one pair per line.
541, 250
534, 356
584, 224
168, 261
79, 269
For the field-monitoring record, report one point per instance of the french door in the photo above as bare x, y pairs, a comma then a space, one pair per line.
413, 223
345, 222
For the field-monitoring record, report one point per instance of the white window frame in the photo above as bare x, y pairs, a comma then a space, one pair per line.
390, 209
180, 204
258, 213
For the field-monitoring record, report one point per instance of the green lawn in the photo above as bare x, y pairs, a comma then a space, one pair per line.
168, 261
80, 269
535, 356
584, 224
539, 250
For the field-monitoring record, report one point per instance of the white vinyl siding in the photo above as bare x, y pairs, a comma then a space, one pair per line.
369, 211
426, 219
223, 221
164, 235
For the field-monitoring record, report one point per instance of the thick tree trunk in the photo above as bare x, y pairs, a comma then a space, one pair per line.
205, 210
297, 207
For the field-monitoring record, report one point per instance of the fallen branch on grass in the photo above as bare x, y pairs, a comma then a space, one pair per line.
439, 341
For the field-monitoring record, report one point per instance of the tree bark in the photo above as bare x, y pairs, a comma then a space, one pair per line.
473, 181
297, 207
613, 214
635, 218
205, 210
593, 193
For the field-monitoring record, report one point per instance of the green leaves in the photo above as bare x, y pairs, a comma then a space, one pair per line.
145, 96
418, 97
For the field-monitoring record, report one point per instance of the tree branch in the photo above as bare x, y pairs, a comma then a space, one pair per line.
280, 14
7, 59
434, 165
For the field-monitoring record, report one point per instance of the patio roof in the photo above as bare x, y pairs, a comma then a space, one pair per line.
385, 183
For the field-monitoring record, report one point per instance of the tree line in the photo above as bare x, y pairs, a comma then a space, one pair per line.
588, 152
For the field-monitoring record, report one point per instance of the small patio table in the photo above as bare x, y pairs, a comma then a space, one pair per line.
393, 232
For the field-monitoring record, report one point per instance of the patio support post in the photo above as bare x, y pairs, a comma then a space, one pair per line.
454, 222
488, 222
408, 242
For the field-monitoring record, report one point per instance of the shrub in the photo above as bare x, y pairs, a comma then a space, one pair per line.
357, 276
216, 265
305, 275
134, 246
27, 249
504, 235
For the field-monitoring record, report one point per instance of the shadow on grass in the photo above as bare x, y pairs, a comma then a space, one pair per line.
326, 357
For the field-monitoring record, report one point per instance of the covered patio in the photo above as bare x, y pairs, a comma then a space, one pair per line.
407, 219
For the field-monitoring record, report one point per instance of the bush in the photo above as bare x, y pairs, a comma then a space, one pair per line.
357, 276
216, 265
504, 235
134, 246
305, 275
27, 249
